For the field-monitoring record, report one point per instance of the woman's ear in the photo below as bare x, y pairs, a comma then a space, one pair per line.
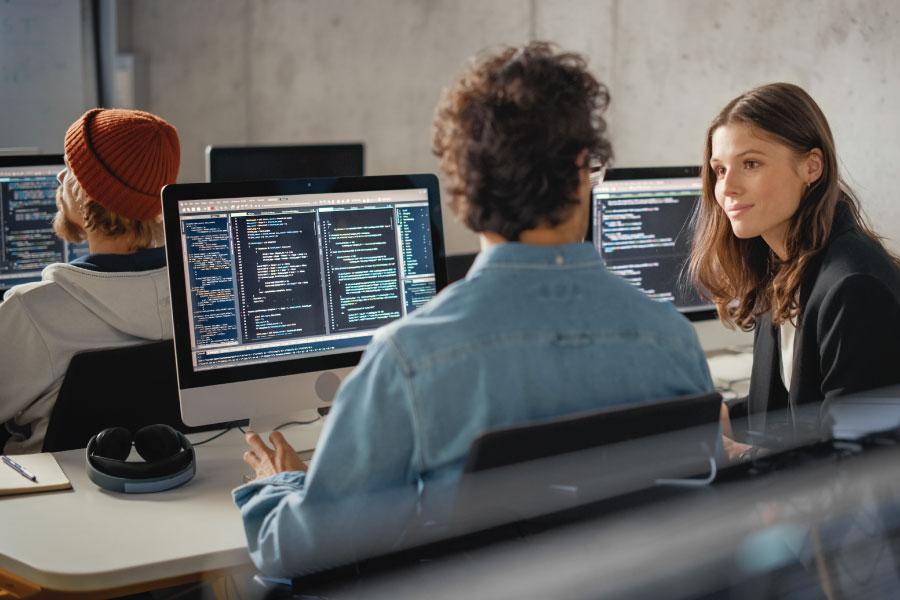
815, 164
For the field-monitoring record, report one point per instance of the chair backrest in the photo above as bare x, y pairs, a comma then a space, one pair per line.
458, 265
131, 387
528, 470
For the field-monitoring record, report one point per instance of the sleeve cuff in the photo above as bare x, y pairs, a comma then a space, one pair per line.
291, 479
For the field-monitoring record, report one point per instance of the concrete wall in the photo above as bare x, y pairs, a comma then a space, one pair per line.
278, 71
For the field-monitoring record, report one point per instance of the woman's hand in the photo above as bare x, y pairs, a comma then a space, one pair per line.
267, 461
734, 450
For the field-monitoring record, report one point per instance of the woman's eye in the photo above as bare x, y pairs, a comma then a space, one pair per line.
720, 171
751, 164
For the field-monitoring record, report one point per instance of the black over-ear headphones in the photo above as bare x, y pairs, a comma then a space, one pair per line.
168, 454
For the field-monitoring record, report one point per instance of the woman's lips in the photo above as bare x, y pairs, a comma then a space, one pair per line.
736, 210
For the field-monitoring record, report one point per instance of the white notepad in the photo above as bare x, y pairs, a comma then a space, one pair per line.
44, 466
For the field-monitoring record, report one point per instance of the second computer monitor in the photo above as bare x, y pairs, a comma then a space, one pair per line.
28, 243
641, 224
278, 286
246, 163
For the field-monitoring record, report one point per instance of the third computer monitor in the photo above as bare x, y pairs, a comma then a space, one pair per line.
28, 243
278, 286
245, 163
642, 225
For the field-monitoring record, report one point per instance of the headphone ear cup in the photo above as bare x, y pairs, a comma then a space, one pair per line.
168, 454
157, 442
114, 443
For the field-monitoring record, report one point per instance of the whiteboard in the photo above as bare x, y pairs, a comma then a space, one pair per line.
42, 72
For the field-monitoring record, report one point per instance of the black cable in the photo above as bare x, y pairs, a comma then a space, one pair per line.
229, 427
297, 423
235, 425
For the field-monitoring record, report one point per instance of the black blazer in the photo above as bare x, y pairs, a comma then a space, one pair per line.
848, 335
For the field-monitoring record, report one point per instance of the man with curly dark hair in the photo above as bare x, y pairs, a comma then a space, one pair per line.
538, 328
515, 134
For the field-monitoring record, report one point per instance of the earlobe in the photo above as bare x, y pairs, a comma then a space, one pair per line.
814, 165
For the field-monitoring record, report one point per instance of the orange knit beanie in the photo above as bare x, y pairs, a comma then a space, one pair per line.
122, 159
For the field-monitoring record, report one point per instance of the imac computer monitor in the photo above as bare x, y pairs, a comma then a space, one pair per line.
245, 163
641, 224
28, 187
277, 286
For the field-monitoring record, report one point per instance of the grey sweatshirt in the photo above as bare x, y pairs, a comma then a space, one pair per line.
72, 309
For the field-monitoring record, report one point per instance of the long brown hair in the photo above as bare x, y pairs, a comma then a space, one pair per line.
728, 269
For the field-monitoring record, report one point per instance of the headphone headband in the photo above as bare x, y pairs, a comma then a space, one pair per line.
142, 477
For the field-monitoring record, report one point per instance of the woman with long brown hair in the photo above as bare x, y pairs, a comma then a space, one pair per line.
781, 248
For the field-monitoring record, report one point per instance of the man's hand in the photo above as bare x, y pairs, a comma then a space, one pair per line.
266, 461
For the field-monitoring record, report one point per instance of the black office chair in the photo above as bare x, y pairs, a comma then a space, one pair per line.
4, 436
458, 266
518, 473
129, 387
525, 479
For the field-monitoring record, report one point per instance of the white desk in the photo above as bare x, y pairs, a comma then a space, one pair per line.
88, 539
729, 354
714, 336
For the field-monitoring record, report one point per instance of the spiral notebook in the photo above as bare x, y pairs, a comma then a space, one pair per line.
44, 467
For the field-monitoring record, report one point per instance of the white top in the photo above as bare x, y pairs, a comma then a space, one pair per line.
787, 332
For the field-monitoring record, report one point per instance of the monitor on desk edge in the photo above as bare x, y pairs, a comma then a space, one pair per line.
287, 161
277, 286
641, 223
28, 243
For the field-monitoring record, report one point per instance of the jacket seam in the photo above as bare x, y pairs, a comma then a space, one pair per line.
542, 266
506, 339
412, 407
103, 274
37, 330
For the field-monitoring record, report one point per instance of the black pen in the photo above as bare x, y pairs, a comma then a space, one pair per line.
21, 470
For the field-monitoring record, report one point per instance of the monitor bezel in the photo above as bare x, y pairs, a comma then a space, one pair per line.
37, 160
215, 151
625, 173
172, 194
628, 173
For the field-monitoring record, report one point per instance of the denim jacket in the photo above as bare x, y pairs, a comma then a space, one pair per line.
531, 333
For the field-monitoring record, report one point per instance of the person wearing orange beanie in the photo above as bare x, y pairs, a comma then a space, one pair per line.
117, 162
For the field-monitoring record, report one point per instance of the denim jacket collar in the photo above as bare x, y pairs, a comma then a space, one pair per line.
519, 255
